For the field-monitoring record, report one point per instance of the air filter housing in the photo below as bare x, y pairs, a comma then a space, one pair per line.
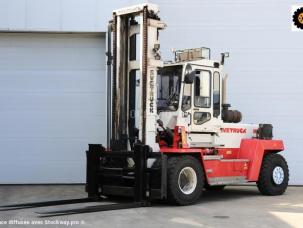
265, 131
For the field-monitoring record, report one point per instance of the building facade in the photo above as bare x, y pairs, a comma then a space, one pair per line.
53, 80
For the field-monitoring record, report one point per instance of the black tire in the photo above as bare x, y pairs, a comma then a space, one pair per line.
214, 187
298, 18
175, 166
266, 183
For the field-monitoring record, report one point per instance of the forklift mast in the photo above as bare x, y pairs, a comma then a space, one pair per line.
133, 53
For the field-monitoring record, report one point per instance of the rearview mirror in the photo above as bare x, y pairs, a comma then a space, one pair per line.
189, 77
223, 57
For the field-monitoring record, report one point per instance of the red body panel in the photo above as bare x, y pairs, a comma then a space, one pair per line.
254, 150
225, 168
244, 162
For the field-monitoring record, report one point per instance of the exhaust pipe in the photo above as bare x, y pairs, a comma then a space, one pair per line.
228, 116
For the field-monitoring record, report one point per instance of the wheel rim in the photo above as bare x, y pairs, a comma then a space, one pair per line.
187, 180
278, 175
300, 18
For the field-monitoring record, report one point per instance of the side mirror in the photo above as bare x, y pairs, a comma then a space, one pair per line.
223, 57
189, 77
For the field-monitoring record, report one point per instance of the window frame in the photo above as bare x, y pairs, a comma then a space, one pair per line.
208, 113
210, 89
181, 101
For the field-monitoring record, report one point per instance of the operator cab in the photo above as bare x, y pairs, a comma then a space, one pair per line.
189, 95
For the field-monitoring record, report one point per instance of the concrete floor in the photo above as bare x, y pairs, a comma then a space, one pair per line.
236, 206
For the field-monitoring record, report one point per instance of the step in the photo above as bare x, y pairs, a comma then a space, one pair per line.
220, 158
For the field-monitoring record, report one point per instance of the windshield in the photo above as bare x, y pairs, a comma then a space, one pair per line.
169, 81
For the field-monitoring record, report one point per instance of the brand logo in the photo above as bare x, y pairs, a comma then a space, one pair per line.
233, 130
151, 91
297, 18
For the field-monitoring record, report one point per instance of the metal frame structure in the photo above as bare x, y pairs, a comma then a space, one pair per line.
141, 190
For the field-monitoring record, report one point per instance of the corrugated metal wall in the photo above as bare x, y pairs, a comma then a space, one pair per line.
265, 65
58, 15
52, 86
52, 96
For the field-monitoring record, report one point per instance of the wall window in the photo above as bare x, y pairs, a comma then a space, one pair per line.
201, 117
216, 97
202, 89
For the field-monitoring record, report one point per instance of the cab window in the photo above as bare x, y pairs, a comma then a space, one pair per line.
201, 117
202, 84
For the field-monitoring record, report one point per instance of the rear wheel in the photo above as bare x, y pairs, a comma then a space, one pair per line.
185, 180
274, 175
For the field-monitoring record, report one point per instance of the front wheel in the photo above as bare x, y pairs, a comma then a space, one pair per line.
274, 175
185, 180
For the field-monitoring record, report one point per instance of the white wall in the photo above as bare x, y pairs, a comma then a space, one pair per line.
58, 15
265, 65
52, 96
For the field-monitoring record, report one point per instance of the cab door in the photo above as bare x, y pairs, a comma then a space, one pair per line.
202, 100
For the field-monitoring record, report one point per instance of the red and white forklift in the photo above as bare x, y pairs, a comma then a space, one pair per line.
178, 109
171, 132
